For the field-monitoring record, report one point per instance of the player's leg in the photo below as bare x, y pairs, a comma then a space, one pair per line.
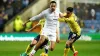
72, 47
40, 42
30, 46
67, 48
52, 45
46, 48
74, 51
73, 37
52, 39
68, 43
45, 45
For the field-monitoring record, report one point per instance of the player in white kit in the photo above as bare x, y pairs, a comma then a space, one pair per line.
51, 16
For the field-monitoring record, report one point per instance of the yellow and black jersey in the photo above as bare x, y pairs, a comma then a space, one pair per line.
72, 23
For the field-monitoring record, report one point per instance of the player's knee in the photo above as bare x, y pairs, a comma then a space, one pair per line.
42, 40
67, 45
34, 42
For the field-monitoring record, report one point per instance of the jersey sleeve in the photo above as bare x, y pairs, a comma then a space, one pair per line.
41, 15
68, 19
41, 21
61, 19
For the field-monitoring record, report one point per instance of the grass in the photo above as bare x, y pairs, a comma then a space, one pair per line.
85, 48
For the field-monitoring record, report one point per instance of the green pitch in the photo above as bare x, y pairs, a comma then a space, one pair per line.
85, 48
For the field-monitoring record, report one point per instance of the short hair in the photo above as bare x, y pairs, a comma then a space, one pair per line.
70, 9
52, 2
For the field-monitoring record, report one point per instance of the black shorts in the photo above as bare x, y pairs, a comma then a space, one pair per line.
73, 36
44, 43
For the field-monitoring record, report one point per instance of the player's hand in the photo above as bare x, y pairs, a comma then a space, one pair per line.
29, 30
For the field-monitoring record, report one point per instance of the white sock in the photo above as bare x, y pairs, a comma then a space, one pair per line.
33, 51
46, 47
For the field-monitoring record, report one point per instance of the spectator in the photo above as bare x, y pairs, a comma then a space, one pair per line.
81, 23
18, 24
1, 21
1, 2
17, 5
30, 1
25, 3
64, 30
9, 11
98, 28
28, 25
75, 9
93, 14
86, 14
78, 12
5, 16
92, 30
4, 2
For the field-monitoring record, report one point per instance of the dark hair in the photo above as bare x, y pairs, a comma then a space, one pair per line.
52, 2
70, 9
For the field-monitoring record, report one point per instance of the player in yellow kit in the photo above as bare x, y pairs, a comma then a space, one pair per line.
75, 29
35, 40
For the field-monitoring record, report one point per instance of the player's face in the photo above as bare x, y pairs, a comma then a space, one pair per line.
69, 13
53, 6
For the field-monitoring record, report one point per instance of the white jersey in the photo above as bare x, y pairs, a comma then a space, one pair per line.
51, 19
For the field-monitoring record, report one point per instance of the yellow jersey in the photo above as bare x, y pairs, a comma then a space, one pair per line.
72, 23
41, 22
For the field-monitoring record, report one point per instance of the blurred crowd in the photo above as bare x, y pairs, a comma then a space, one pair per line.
9, 8
86, 11
88, 15
18, 25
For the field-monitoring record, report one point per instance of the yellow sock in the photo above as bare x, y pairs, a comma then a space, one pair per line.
72, 48
28, 49
66, 50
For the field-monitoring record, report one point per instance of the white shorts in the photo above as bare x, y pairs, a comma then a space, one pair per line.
50, 35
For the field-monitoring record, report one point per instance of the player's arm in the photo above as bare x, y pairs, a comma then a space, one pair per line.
41, 15
61, 20
62, 17
29, 30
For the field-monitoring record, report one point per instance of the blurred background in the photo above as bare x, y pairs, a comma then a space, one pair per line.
13, 13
